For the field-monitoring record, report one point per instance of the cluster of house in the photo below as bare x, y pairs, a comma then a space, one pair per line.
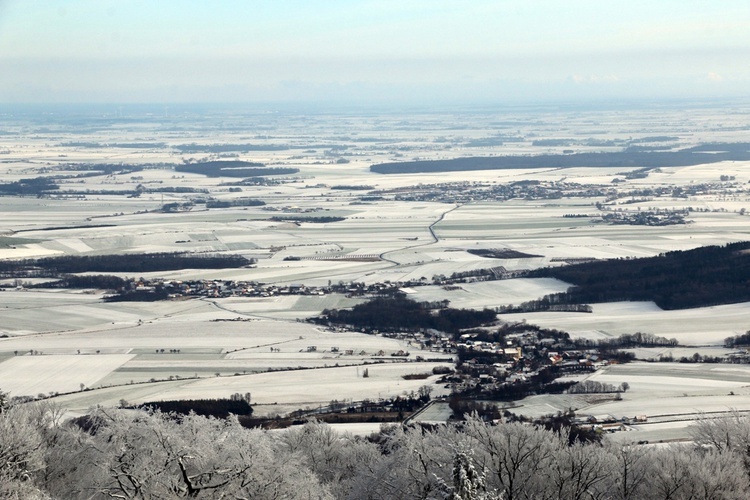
466, 192
646, 218
230, 288
607, 423
520, 357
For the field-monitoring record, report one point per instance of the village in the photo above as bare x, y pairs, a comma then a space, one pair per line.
616, 193
137, 289
495, 364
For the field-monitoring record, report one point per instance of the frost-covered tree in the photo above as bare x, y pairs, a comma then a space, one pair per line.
130, 454
21, 443
414, 464
468, 481
726, 433
577, 471
515, 456
629, 470
116, 453
22, 450
716, 475
686, 472
670, 473
334, 458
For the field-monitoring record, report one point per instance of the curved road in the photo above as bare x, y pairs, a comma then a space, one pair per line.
430, 228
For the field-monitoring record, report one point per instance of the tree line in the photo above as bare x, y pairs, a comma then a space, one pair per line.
650, 159
500, 253
701, 277
399, 313
552, 302
628, 340
323, 219
596, 387
151, 455
122, 263
737, 340
239, 202
32, 186
72, 281
219, 408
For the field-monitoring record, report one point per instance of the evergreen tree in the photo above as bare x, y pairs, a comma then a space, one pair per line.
468, 482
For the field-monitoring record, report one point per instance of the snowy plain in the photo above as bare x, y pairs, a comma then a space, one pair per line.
405, 241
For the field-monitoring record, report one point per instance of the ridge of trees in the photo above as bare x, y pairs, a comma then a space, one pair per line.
596, 387
629, 340
151, 262
238, 202
159, 293
99, 281
32, 186
323, 219
737, 340
701, 277
547, 303
500, 253
681, 158
403, 314
59, 228
233, 168
94, 169
219, 408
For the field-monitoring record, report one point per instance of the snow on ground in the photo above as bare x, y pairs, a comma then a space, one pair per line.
399, 231
181, 344
359, 429
28, 312
664, 392
273, 392
653, 432
700, 326
287, 306
186, 334
313, 387
490, 293
655, 353
145, 368
438, 412
677, 405
28, 375
664, 379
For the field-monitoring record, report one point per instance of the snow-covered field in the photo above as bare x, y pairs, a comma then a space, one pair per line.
490, 293
400, 240
28, 375
186, 339
273, 392
669, 394
700, 326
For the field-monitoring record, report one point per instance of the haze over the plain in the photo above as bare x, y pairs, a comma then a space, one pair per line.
374, 51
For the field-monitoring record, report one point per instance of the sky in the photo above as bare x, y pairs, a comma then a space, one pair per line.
372, 51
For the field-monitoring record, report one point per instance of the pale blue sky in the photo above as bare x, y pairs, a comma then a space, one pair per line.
435, 51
